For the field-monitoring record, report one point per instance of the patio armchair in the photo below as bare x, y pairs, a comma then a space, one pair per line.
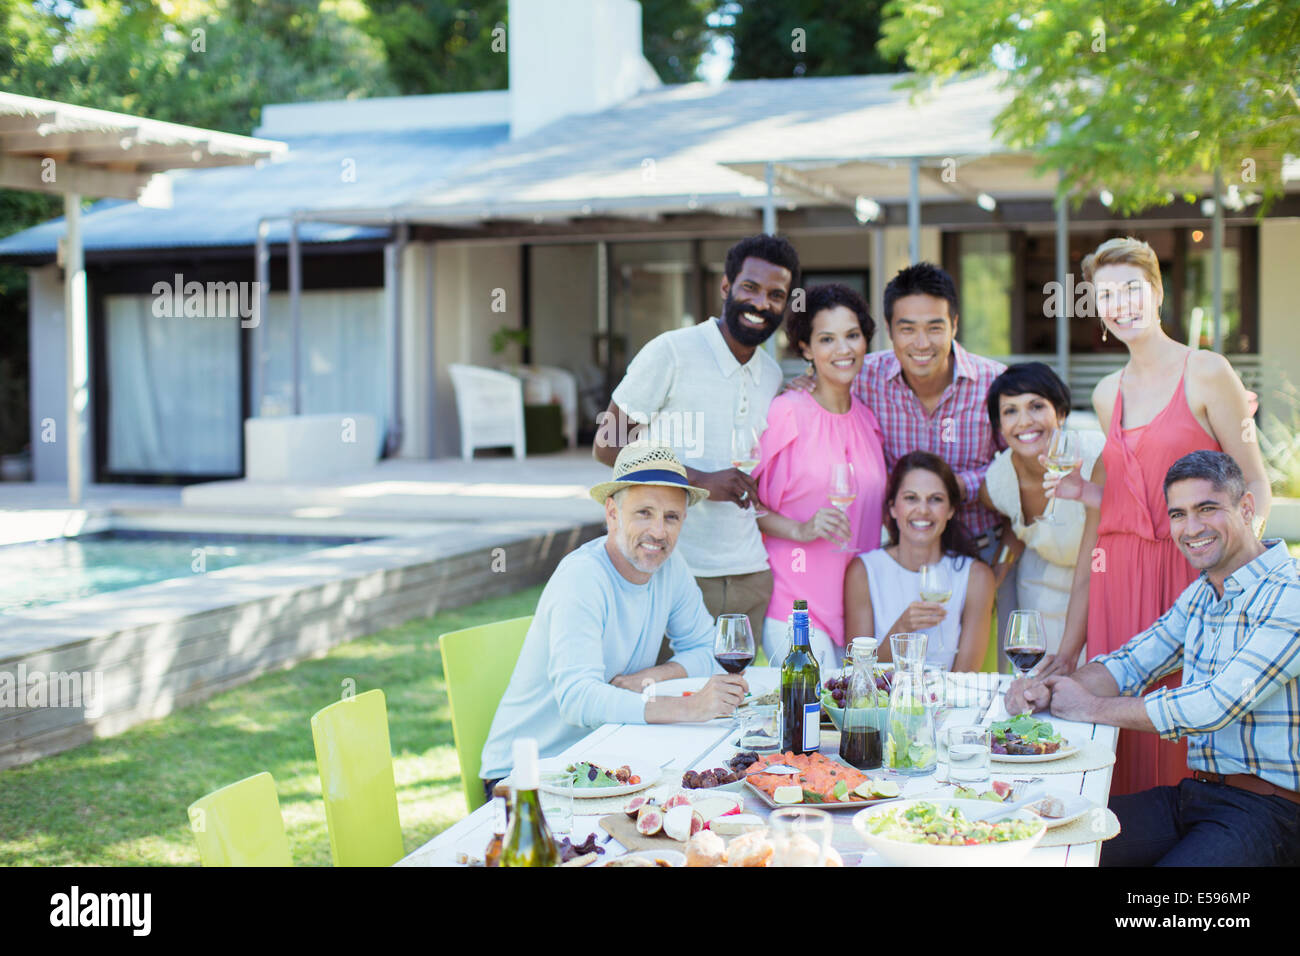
490, 408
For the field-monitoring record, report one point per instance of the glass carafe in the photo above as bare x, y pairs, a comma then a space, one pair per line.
866, 708
910, 743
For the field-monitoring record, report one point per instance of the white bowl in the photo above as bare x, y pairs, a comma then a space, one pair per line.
899, 853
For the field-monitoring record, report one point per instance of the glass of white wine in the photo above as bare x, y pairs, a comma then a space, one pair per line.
745, 454
843, 492
1063, 456
936, 587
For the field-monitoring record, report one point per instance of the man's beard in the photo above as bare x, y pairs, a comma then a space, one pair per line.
743, 332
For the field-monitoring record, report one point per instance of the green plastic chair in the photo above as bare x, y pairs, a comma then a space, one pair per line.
477, 663
355, 761
240, 825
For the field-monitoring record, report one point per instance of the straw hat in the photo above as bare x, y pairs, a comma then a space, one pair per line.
646, 463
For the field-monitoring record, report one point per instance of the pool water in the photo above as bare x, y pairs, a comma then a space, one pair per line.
61, 569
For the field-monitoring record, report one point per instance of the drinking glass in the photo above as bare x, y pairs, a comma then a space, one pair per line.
936, 685
968, 755
1064, 454
745, 454
1026, 640
936, 587
842, 493
556, 794
733, 645
800, 836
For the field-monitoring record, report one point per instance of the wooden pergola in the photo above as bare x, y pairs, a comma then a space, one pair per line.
76, 151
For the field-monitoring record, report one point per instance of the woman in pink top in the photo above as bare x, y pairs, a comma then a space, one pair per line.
807, 433
1167, 401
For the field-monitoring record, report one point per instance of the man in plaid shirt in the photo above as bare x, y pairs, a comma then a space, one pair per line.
1235, 632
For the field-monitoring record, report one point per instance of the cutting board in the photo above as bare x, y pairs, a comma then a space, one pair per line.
623, 829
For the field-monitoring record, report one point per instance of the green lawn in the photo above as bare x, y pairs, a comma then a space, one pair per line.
122, 801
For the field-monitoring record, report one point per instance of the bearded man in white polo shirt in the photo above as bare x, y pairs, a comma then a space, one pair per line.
690, 388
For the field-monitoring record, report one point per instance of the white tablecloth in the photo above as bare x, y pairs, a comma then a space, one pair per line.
699, 746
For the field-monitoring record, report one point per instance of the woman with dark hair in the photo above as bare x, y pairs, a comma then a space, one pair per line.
807, 434
1026, 403
882, 590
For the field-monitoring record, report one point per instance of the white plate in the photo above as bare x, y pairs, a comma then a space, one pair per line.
924, 854
1061, 754
1075, 806
648, 773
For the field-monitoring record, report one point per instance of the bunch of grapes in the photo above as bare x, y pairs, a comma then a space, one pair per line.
839, 688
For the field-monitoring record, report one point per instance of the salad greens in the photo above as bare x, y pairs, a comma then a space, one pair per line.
1029, 729
927, 823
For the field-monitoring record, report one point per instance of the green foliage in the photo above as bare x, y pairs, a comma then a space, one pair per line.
1279, 442
433, 46
838, 38
675, 35
1140, 97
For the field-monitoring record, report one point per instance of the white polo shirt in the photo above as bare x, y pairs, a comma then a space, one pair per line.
688, 387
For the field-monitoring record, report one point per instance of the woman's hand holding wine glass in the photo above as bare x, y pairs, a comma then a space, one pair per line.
843, 492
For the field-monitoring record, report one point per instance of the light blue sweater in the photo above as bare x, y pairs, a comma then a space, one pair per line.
591, 625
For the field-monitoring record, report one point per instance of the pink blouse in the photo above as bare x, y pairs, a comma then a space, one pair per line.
801, 442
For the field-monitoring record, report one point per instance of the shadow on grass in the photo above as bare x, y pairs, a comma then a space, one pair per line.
122, 800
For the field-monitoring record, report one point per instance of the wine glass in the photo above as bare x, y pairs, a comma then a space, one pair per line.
733, 644
745, 454
936, 587
1026, 640
1063, 456
843, 492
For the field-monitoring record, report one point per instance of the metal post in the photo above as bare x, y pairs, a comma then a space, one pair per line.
1064, 299
431, 368
602, 309
878, 284
1217, 261
262, 274
914, 210
769, 200
295, 310
393, 252
76, 346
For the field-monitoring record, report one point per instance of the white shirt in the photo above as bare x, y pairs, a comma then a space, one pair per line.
893, 587
688, 387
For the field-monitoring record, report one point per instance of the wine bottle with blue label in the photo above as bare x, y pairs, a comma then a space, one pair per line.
800, 690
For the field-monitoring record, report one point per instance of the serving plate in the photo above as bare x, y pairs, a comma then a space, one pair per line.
648, 773
1067, 750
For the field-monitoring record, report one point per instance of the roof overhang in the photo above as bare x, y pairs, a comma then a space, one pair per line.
53, 147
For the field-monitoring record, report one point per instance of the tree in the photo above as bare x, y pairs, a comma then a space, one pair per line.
783, 38
675, 34
1138, 97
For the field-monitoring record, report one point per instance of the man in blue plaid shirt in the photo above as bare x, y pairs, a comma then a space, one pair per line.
1235, 632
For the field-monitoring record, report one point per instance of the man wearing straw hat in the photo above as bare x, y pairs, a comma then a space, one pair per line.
589, 656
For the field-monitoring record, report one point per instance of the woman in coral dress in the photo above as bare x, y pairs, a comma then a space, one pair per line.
1167, 401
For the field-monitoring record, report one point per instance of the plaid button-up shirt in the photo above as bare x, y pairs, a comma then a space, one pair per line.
958, 429
1239, 706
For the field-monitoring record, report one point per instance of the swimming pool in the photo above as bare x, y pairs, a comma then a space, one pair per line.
39, 573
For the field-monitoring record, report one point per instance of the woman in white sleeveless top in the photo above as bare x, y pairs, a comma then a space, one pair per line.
1025, 403
882, 589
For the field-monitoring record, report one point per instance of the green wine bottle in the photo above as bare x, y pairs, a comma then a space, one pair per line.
800, 688
528, 839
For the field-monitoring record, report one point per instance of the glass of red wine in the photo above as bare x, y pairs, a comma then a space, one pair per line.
1026, 640
733, 647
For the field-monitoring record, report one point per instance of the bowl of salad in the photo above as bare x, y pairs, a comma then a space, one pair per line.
941, 832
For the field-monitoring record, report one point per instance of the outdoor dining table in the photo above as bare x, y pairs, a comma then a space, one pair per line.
698, 746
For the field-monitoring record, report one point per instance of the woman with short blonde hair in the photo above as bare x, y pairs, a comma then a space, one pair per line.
1167, 400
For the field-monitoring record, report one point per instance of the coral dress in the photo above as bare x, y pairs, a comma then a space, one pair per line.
1138, 572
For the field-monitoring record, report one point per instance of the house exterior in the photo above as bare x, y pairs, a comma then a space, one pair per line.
592, 207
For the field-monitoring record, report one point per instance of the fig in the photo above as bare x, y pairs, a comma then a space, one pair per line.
635, 804
677, 800
649, 820
1002, 789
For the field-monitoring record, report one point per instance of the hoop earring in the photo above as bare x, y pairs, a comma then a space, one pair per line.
812, 370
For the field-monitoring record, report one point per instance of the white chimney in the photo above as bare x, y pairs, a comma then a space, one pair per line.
570, 57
